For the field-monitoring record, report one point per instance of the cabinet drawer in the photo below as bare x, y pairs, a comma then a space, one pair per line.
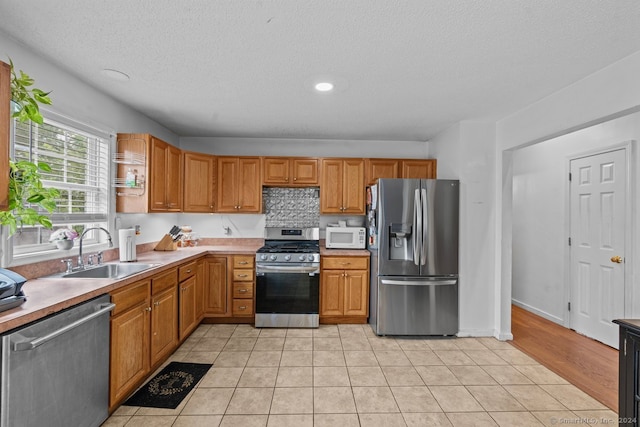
345, 263
131, 296
243, 307
243, 261
186, 271
240, 275
164, 281
243, 290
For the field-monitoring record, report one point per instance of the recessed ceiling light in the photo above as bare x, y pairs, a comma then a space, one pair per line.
324, 86
115, 75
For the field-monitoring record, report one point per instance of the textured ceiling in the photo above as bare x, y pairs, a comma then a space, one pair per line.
404, 70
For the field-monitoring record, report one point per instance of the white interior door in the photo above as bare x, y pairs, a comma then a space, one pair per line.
598, 192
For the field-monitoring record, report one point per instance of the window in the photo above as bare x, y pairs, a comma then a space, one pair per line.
79, 159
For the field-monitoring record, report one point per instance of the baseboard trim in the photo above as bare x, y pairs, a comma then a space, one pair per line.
543, 314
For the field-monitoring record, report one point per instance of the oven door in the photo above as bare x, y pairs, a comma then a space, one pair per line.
287, 295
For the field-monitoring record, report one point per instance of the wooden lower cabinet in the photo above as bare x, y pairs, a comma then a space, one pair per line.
144, 330
229, 288
130, 340
344, 289
217, 295
188, 296
244, 278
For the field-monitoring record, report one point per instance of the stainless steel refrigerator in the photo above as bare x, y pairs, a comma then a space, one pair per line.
413, 239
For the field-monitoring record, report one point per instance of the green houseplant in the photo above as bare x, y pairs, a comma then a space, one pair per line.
26, 190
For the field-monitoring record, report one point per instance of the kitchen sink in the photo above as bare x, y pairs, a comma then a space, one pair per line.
108, 271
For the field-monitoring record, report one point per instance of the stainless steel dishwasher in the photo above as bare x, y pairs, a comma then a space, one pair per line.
55, 372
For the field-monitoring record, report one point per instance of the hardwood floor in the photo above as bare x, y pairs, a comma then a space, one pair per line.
588, 364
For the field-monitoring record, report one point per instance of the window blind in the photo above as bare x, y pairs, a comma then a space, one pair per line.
79, 163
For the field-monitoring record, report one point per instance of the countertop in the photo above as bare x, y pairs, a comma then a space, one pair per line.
48, 295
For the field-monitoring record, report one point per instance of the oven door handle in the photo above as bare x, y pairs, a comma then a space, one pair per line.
262, 269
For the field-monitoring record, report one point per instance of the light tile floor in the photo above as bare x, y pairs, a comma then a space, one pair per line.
347, 376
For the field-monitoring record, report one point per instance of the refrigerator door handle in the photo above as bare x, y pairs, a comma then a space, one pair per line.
418, 282
425, 228
417, 228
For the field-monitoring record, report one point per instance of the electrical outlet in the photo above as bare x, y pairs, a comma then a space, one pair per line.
227, 230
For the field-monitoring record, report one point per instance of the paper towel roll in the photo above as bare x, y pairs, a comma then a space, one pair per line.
127, 244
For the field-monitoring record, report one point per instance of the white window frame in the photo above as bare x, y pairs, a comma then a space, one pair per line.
93, 240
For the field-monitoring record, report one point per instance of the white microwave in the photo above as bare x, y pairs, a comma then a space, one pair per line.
345, 238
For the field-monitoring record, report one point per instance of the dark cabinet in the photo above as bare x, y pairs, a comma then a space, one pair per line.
629, 372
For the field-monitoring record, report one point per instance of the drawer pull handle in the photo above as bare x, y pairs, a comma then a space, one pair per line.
243, 275
189, 271
242, 290
244, 307
243, 262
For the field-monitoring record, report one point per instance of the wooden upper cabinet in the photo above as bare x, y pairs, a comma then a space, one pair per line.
342, 186
381, 168
419, 169
239, 188
5, 119
158, 169
399, 168
165, 177
199, 182
285, 171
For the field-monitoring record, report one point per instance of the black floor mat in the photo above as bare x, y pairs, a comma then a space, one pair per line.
170, 386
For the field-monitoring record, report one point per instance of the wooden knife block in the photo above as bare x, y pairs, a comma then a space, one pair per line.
166, 244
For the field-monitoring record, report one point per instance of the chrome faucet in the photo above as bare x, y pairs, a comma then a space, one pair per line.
80, 260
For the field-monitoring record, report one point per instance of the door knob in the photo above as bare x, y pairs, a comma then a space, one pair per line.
617, 259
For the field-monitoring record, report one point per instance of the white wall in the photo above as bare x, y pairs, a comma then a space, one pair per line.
77, 100
540, 207
610, 93
305, 147
466, 152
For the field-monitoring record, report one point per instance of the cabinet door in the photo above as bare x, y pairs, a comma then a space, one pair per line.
164, 324
5, 96
158, 175
249, 188
199, 178
331, 186
217, 294
353, 187
356, 293
305, 171
129, 361
419, 169
173, 179
381, 168
331, 293
188, 310
200, 287
227, 191
275, 170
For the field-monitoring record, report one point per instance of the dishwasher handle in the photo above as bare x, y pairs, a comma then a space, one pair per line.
30, 343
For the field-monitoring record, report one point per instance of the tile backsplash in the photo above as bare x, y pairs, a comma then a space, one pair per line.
291, 207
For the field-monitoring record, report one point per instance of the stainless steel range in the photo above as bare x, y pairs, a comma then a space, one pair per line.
288, 279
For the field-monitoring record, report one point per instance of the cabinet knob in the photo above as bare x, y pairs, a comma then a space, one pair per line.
157, 303
295, 179
147, 309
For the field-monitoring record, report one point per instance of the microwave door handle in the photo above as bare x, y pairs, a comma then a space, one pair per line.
417, 225
425, 229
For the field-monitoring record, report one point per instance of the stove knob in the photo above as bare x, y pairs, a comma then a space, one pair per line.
273, 257
287, 257
310, 257
263, 257
301, 257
